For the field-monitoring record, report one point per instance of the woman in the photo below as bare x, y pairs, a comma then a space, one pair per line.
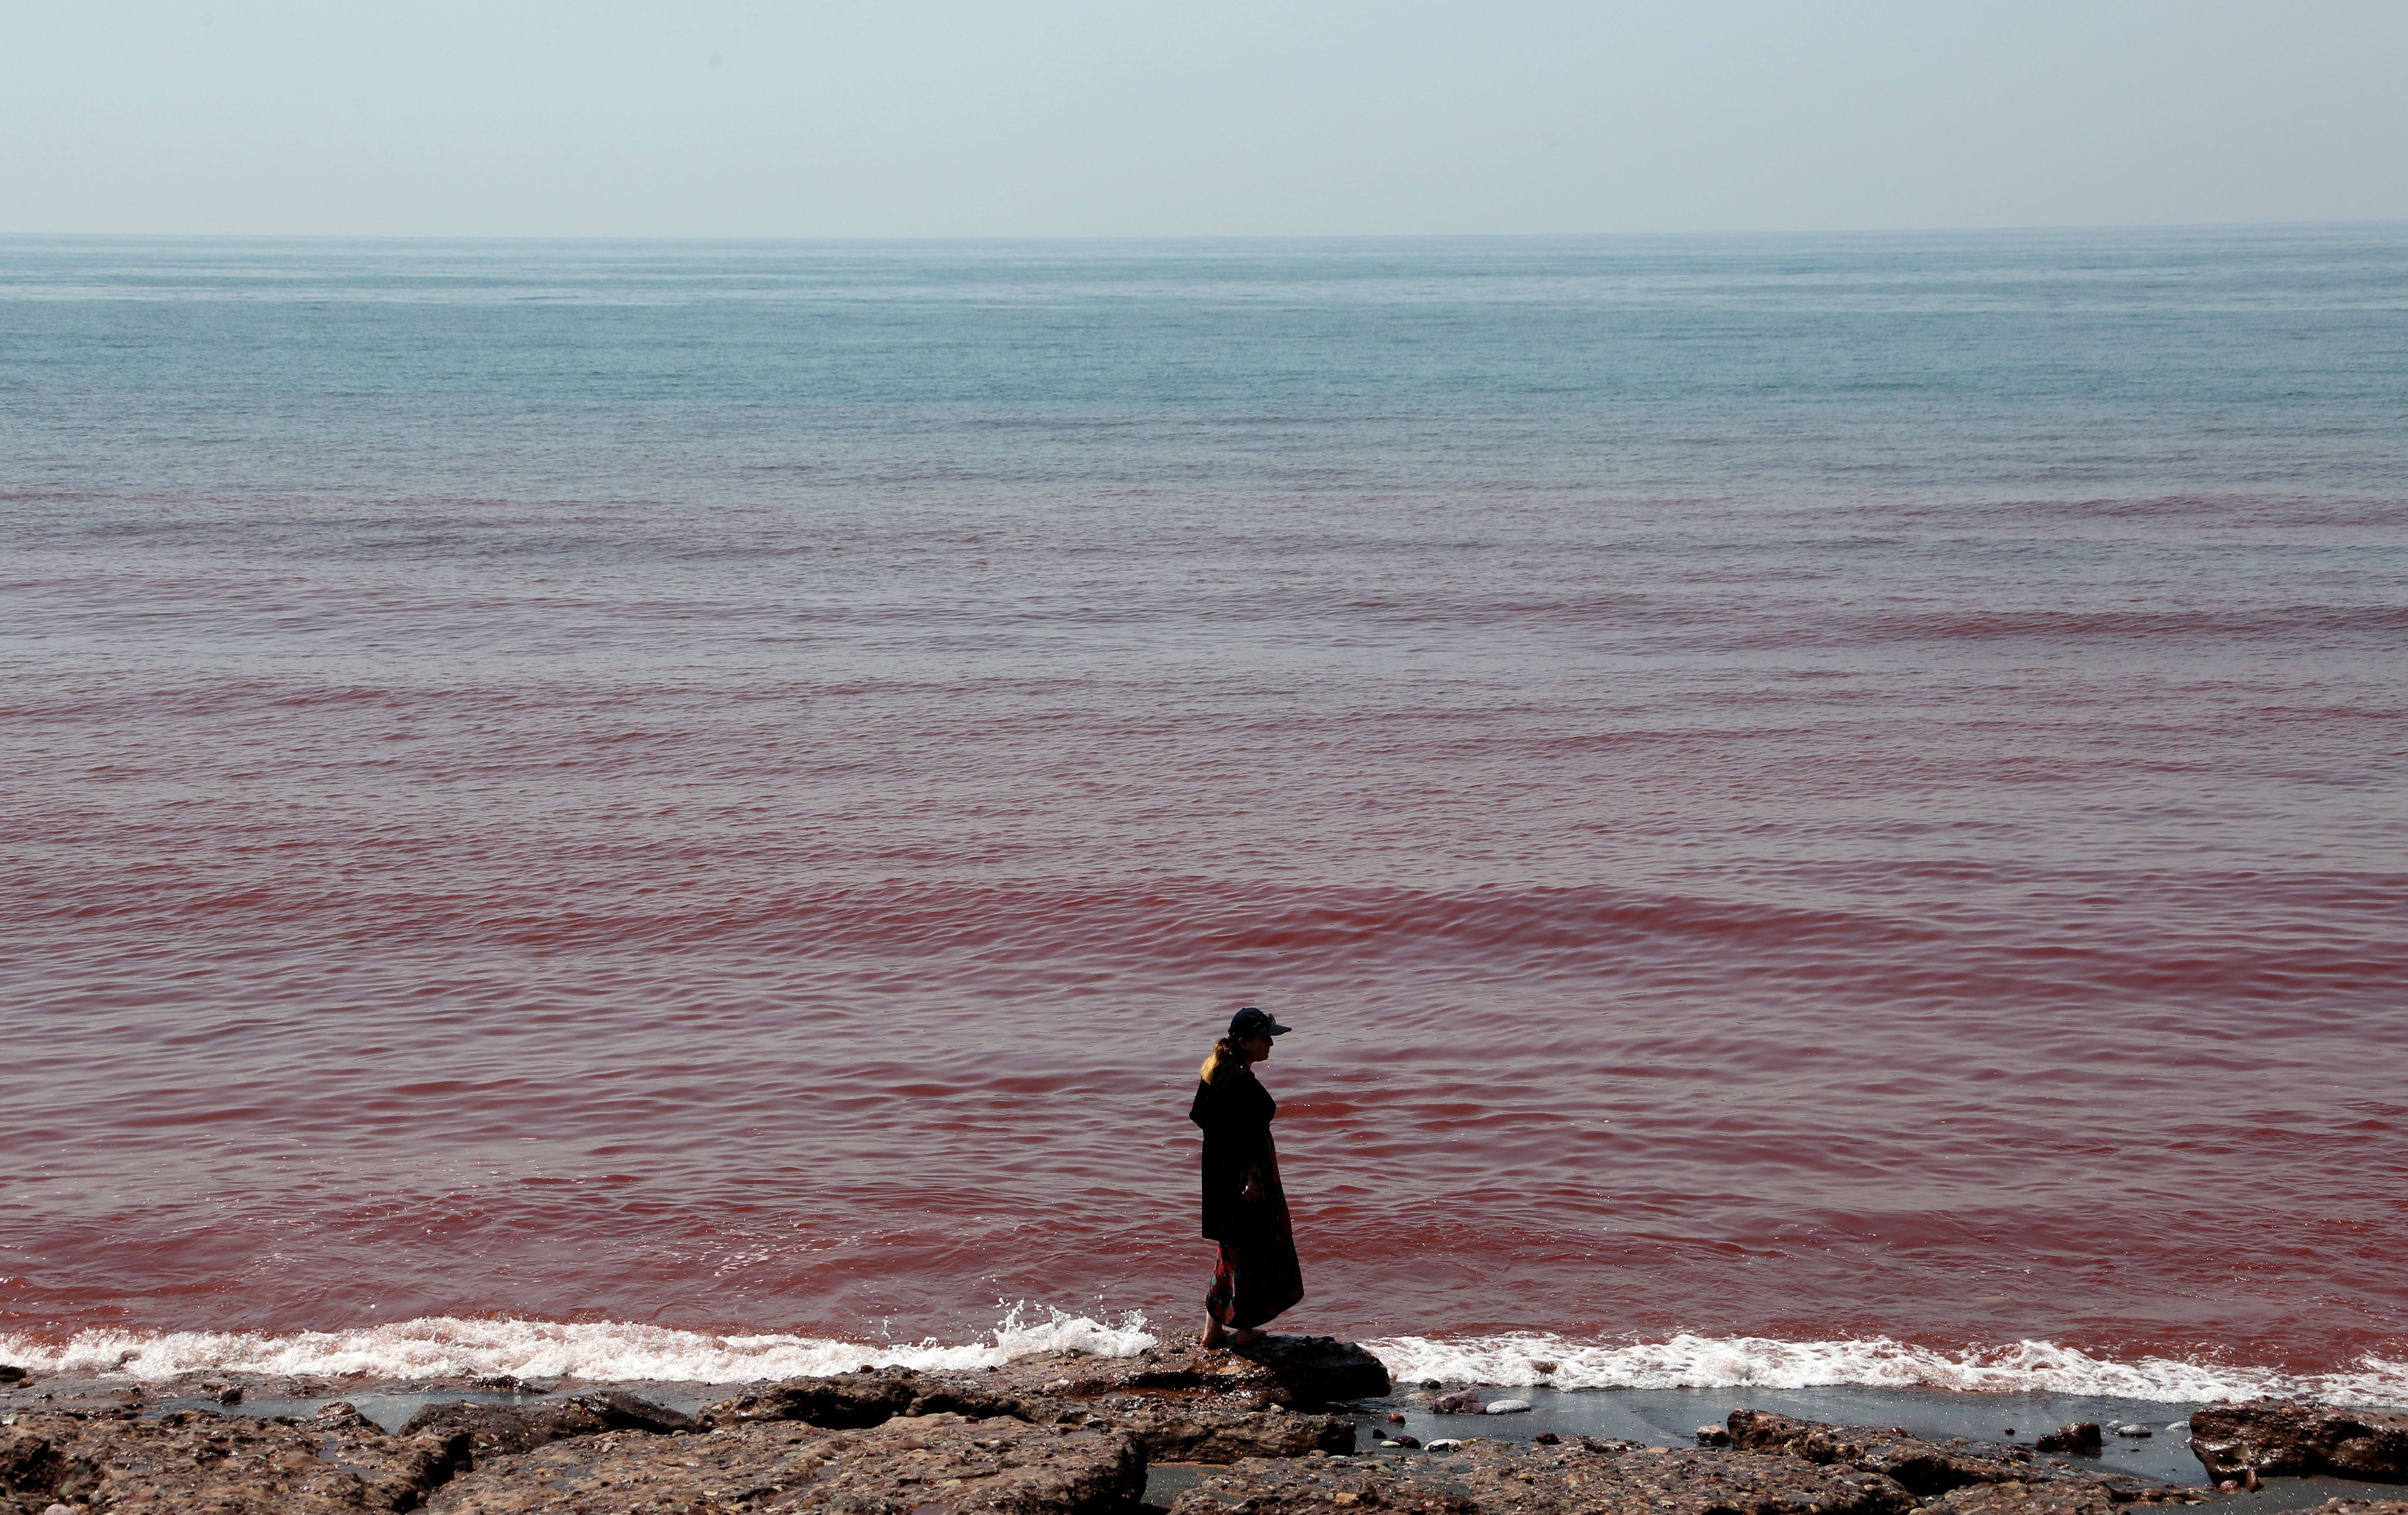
1245, 1211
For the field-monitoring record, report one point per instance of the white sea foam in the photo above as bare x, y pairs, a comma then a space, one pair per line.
1692, 1361
444, 1347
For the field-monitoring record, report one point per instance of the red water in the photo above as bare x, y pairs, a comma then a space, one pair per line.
828, 949
692, 888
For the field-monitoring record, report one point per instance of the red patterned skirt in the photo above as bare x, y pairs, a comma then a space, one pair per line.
1256, 1279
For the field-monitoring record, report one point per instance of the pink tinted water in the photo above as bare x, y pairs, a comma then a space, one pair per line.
1963, 915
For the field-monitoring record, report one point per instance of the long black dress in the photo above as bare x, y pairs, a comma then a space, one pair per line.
1258, 1275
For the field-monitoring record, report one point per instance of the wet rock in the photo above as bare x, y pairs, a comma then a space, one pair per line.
1461, 1402
935, 1465
1543, 1367
2364, 1506
1546, 1438
1714, 1436
497, 1430
230, 1395
1507, 1407
199, 1460
2080, 1439
2276, 1437
11, 1373
1925, 1469
1319, 1370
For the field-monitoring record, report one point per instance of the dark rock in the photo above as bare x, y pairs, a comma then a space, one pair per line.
1396, 1419
497, 1430
230, 1395
1543, 1367
1299, 1372
2080, 1440
1714, 1436
199, 1460
1401, 1440
1546, 1438
11, 1373
2277, 1438
1461, 1402
940, 1464
852, 1401
1319, 1370
1924, 1468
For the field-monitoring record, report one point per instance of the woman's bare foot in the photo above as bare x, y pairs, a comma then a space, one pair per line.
1214, 1337
1245, 1337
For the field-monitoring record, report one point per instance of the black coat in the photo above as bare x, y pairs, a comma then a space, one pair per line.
1235, 1110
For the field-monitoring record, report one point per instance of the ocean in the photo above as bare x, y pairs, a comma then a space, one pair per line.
1826, 811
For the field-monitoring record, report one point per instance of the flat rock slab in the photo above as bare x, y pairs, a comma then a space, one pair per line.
1185, 1422
1498, 1478
498, 1429
1924, 1468
1298, 1372
193, 1460
1189, 1431
1602, 1476
1320, 1486
940, 1464
2285, 1437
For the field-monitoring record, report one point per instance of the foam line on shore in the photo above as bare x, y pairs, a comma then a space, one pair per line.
446, 1347
1692, 1362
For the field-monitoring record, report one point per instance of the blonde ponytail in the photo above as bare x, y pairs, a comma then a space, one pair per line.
1224, 1051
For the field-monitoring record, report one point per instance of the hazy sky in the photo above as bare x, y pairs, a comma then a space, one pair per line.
1128, 117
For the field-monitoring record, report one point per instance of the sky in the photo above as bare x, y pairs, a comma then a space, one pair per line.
1135, 118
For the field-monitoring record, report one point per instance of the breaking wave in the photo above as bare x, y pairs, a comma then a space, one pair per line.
608, 1351
618, 1351
1692, 1361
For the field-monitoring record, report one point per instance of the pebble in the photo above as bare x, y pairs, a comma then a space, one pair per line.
1508, 1406
1712, 1435
2134, 1430
1547, 1439
1541, 1367
1395, 1418
1443, 1444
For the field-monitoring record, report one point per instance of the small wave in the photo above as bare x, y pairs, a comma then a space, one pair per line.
446, 1347
1691, 1362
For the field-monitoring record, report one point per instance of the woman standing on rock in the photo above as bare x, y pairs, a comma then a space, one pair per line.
1246, 1210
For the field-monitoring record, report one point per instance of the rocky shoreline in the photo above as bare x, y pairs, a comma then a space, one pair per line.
1278, 1429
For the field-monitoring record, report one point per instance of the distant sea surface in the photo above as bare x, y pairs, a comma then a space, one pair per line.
1818, 806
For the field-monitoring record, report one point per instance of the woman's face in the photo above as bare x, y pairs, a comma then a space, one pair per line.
1255, 1048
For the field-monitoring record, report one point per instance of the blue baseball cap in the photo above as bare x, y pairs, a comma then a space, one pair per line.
1250, 1021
